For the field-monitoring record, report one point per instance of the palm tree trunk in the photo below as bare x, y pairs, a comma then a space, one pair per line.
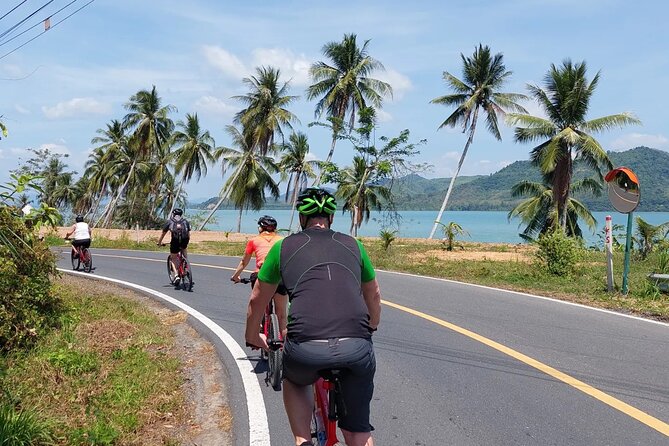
462, 160
223, 197
294, 200
112, 207
239, 220
176, 198
319, 178
561, 185
94, 209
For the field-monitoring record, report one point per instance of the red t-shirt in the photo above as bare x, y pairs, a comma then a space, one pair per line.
260, 245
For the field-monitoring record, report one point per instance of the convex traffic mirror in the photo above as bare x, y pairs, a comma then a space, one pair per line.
623, 186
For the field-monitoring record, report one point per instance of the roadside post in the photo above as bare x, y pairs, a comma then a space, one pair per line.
609, 254
624, 195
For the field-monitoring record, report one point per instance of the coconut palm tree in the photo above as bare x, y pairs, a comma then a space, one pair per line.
98, 167
194, 150
483, 75
360, 195
296, 167
265, 113
539, 212
344, 85
151, 127
251, 173
648, 235
565, 134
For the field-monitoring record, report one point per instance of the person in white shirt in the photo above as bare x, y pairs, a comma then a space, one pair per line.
81, 233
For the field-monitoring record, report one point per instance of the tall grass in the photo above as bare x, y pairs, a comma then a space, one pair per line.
23, 427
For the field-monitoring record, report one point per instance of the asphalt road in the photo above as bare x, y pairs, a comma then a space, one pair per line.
462, 365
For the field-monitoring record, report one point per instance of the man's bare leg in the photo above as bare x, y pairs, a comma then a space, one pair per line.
357, 438
299, 403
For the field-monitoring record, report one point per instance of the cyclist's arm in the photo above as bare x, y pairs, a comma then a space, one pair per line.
72, 229
162, 236
260, 297
242, 264
372, 295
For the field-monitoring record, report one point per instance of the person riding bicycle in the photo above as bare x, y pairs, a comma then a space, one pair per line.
259, 246
82, 235
179, 230
335, 306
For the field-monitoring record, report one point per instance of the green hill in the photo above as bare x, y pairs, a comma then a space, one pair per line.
493, 192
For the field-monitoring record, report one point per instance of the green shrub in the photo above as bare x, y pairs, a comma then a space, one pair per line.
387, 238
18, 428
27, 305
558, 253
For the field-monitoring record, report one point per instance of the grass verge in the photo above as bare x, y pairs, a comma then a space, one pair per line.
107, 376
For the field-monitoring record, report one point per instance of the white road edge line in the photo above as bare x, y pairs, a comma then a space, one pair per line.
258, 423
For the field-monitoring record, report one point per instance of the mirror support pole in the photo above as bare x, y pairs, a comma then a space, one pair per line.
628, 243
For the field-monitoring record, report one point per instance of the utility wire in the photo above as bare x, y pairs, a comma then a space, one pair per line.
12, 10
3, 34
36, 24
52, 26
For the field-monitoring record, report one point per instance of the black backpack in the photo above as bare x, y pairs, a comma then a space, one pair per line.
180, 229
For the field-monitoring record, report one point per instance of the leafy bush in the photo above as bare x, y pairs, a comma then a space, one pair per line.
27, 306
558, 253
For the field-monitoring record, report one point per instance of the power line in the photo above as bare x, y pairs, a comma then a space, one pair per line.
12, 10
36, 24
52, 26
3, 34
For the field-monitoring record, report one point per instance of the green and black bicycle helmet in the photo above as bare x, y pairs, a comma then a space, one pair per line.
316, 201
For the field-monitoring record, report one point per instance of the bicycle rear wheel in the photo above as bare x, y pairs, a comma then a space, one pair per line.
170, 271
75, 260
88, 260
275, 360
187, 280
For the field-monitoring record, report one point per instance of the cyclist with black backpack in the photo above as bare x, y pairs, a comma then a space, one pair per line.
179, 229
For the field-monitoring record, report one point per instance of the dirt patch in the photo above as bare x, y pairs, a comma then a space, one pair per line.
206, 418
494, 256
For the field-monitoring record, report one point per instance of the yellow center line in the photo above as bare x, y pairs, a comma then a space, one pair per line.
605, 398
623, 407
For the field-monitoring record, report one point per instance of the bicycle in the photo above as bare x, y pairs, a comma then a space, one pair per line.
328, 408
79, 255
184, 273
272, 332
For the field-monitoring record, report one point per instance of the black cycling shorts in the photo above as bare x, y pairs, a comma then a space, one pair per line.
177, 245
354, 356
279, 289
83, 243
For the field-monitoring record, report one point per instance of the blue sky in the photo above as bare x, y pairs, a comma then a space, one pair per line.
60, 88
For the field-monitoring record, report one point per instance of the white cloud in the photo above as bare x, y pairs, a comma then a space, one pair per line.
224, 61
400, 83
383, 116
294, 67
22, 110
632, 140
215, 106
76, 107
11, 71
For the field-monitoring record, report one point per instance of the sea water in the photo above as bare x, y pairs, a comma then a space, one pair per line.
481, 226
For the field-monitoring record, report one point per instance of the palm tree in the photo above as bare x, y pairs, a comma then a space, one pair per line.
265, 113
565, 133
359, 194
295, 165
483, 75
344, 86
98, 167
451, 231
648, 235
194, 150
151, 127
251, 175
539, 213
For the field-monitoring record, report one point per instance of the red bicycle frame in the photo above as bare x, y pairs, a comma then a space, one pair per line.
322, 389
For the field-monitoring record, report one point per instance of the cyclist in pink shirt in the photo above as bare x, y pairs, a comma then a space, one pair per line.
259, 246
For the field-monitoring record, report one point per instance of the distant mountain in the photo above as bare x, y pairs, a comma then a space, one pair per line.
493, 192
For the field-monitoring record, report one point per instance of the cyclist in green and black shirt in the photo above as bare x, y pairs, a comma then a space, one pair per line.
335, 305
